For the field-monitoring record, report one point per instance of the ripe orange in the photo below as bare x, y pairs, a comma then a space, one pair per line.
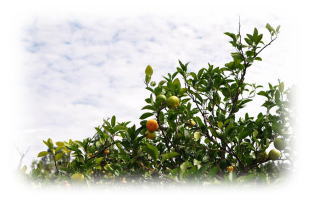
230, 168
106, 151
152, 125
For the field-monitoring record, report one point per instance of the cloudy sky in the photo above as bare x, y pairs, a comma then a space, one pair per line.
78, 71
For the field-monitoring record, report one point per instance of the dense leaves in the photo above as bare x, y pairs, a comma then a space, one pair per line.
202, 136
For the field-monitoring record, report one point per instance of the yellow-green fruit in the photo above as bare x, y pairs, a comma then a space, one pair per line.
197, 136
77, 177
192, 122
262, 156
150, 135
161, 98
279, 143
274, 154
173, 102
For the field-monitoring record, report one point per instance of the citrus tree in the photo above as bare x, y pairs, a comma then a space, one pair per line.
193, 129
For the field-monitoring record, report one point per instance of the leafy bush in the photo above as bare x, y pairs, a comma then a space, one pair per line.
190, 131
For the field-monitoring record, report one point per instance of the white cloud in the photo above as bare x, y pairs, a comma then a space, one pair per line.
79, 71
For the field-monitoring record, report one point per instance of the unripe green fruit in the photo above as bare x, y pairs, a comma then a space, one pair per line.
153, 83
274, 154
262, 156
173, 102
161, 98
279, 144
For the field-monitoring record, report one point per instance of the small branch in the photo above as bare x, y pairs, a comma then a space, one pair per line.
100, 151
271, 41
55, 163
22, 155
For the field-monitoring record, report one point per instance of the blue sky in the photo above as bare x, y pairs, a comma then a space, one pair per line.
77, 71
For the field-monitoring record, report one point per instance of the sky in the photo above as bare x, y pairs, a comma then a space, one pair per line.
77, 71
63, 71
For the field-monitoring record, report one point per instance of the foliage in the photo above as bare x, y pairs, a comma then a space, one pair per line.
200, 137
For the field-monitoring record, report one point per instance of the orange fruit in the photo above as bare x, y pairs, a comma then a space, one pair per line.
106, 151
152, 125
230, 168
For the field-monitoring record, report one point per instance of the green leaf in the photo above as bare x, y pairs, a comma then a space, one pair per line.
184, 166
151, 150
146, 115
255, 133
220, 124
58, 156
148, 107
98, 160
270, 28
281, 87
245, 101
49, 143
277, 96
255, 34
147, 78
176, 83
149, 70
259, 38
58, 148
197, 163
269, 104
167, 156
258, 58
60, 144
198, 120
233, 36
248, 41
42, 153
243, 134
263, 93
213, 171
113, 121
